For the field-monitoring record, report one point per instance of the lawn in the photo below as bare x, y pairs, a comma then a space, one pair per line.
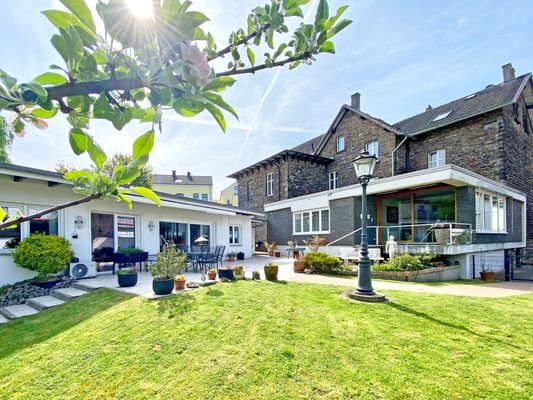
263, 340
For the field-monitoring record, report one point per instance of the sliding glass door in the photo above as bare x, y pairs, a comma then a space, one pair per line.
182, 234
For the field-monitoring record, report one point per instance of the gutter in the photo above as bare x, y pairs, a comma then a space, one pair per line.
394, 152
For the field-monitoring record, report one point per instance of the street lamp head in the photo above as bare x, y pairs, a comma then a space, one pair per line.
364, 165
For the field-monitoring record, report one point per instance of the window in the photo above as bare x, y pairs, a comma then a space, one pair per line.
236, 190
10, 238
442, 116
175, 232
373, 148
490, 212
48, 223
196, 196
234, 234
125, 232
270, 184
340, 144
180, 195
205, 196
437, 158
315, 221
333, 180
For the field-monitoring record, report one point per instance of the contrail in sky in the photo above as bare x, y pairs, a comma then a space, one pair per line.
260, 105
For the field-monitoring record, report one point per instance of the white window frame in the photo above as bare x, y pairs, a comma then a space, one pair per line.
206, 195
498, 217
441, 158
234, 235
270, 184
236, 190
373, 148
297, 228
196, 196
333, 179
340, 144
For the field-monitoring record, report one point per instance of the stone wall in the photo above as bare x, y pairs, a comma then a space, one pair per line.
358, 131
306, 178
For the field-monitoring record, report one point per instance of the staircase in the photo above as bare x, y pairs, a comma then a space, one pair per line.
34, 305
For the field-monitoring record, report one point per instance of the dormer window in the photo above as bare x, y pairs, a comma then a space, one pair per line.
340, 144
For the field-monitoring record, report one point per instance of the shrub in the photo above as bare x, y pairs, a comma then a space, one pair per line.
322, 262
169, 263
44, 254
402, 262
128, 251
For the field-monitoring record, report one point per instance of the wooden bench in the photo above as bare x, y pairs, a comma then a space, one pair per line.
353, 255
349, 255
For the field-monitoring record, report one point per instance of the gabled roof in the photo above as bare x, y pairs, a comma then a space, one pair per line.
272, 160
343, 110
309, 146
491, 98
161, 179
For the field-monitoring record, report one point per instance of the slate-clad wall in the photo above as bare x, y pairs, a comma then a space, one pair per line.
306, 178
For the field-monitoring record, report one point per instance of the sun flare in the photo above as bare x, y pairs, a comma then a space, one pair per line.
140, 8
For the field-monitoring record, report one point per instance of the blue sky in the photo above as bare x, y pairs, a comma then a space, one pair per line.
400, 55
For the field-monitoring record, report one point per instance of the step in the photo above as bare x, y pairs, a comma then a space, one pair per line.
87, 285
44, 302
21, 310
67, 293
3, 319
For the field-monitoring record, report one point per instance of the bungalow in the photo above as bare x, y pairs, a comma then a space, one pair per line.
98, 228
456, 179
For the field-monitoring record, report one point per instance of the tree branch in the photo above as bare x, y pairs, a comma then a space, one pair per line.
228, 48
252, 70
20, 220
84, 88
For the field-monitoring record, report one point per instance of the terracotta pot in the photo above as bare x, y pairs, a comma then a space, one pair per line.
488, 275
179, 285
299, 265
212, 276
277, 254
231, 258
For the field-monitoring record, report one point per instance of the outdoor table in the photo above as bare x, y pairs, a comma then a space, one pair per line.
295, 251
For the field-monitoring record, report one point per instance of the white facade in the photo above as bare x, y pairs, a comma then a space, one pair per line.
33, 190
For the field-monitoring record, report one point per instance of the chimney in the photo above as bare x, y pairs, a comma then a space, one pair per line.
174, 177
189, 175
508, 72
356, 101
428, 108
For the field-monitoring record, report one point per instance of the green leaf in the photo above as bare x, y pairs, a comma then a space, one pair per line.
144, 144
217, 114
50, 78
102, 108
217, 99
125, 199
294, 64
61, 46
294, 12
188, 107
327, 47
251, 55
322, 14
219, 84
37, 89
42, 113
339, 27
80, 9
78, 140
61, 19
126, 175
96, 153
331, 21
78, 174
146, 193
294, 3
138, 162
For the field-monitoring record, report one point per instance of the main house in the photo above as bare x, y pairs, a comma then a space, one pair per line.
456, 179
98, 228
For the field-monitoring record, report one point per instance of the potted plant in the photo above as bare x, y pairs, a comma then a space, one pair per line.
271, 247
127, 277
299, 264
179, 282
226, 273
212, 274
271, 271
130, 255
47, 255
168, 264
231, 256
238, 272
240, 256
487, 275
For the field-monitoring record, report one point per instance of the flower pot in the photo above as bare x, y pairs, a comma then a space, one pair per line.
488, 275
299, 265
226, 274
231, 258
212, 276
163, 286
179, 285
271, 272
127, 280
238, 273
277, 254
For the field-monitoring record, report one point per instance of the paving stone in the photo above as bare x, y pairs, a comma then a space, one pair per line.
87, 285
67, 293
18, 311
43, 302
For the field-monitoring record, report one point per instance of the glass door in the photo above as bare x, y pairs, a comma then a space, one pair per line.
102, 240
396, 218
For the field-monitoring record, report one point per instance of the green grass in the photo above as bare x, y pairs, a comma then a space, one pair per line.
263, 340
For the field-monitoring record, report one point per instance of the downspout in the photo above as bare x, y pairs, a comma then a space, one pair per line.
394, 152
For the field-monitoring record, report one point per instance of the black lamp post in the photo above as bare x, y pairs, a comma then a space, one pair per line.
364, 168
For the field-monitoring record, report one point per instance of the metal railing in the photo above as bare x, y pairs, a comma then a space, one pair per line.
442, 233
